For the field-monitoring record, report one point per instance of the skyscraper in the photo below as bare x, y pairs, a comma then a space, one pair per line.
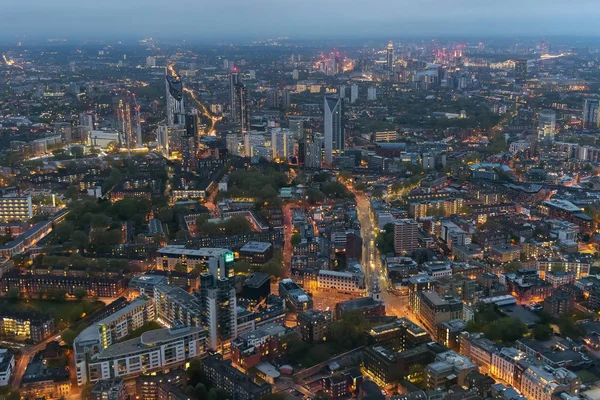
313, 152
234, 79
282, 144
240, 111
297, 126
547, 125
372, 94
333, 127
353, 93
590, 113
520, 71
286, 99
175, 105
189, 143
390, 57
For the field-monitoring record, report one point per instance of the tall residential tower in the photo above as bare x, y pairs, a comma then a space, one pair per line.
334, 127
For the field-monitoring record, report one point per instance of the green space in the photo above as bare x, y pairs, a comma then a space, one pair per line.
343, 335
495, 325
63, 311
149, 326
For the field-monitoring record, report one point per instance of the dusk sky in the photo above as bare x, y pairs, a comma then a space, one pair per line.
202, 20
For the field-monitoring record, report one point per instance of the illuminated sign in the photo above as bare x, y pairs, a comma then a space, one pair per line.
229, 257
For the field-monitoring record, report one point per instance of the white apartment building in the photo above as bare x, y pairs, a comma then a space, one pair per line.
109, 330
504, 362
217, 261
154, 351
541, 383
341, 281
7, 366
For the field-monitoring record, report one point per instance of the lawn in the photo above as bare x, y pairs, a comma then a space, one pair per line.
149, 326
65, 311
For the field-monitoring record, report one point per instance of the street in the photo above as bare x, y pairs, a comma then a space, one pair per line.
395, 305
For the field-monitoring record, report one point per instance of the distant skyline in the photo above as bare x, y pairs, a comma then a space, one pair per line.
244, 20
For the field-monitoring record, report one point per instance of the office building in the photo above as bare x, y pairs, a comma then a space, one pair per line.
17, 209
448, 369
256, 253
520, 71
238, 385
353, 93
406, 236
313, 325
294, 296
547, 125
390, 57
433, 309
153, 351
399, 335
589, 119
175, 101
334, 128
256, 288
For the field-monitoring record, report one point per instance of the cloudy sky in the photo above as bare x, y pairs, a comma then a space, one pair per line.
203, 20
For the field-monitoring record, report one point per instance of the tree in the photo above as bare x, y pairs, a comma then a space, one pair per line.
296, 239
180, 267
315, 196
416, 374
272, 268
194, 372
542, 332
80, 240
512, 266
13, 294
241, 267
568, 327
80, 293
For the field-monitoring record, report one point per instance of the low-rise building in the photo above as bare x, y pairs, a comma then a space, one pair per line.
449, 368
263, 344
29, 325
7, 366
238, 385
295, 297
433, 309
313, 325
256, 253
109, 389
559, 302
543, 382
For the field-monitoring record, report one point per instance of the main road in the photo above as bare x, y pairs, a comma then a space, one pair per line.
374, 269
